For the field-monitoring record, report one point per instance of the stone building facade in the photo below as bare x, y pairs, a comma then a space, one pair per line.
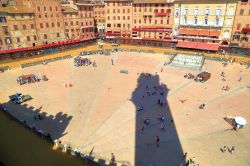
48, 20
100, 19
152, 21
241, 27
206, 24
118, 18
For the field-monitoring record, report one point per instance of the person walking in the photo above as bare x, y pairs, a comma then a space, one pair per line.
112, 157
157, 141
142, 130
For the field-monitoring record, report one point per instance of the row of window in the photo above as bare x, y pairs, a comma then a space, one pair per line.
45, 36
77, 23
118, 17
24, 27
150, 21
119, 25
218, 12
16, 16
118, 11
87, 14
139, 10
135, 5
242, 12
155, 10
241, 39
85, 8
47, 25
100, 20
7, 40
45, 8
46, 15
99, 12
195, 22
239, 26
119, 4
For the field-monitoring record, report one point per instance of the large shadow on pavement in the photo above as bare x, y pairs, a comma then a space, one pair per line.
50, 125
154, 118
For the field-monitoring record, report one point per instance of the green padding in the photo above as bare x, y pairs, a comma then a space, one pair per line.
124, 71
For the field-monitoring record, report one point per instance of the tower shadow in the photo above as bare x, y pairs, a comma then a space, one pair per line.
154, 119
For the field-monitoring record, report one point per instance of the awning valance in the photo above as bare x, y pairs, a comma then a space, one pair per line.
246, 29
214, 33
198, 45
199, 32
42, 46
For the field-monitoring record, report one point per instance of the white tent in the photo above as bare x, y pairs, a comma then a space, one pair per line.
240, 120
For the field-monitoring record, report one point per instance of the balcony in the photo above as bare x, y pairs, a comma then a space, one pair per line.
113, 33
246, 30
162, 14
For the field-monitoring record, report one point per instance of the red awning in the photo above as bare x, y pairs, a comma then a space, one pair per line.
214, 33
198, 45
185, 44
203, 32
193, 32
246, 29
183, 31
207, 46
186, 31
162, 13
41, 46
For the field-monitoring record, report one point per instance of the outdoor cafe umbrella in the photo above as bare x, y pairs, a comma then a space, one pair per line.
240, 120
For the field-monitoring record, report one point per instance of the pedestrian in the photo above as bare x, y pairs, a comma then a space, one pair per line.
232, 149
157, 141
162, 126
112, 157
142, 130
192, 160
159, 101
112, 61
161, 69
185, 155
224, 148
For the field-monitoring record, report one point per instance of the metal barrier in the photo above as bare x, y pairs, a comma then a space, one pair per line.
46, 60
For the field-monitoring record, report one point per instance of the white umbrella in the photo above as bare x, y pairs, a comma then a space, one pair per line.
241, 121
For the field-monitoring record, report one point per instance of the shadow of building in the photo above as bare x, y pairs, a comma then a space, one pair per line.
154, 118
53, 126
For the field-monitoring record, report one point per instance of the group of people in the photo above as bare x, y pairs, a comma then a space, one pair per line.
78, 61
230, 150
156, 90
196, 78
223, 78
27, 79
38, 117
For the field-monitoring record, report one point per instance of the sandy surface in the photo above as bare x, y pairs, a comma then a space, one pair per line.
98, 113
16, 63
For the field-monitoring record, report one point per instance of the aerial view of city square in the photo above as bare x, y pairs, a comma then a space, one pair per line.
124, 82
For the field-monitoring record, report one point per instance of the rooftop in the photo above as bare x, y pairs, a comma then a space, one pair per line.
15, 9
